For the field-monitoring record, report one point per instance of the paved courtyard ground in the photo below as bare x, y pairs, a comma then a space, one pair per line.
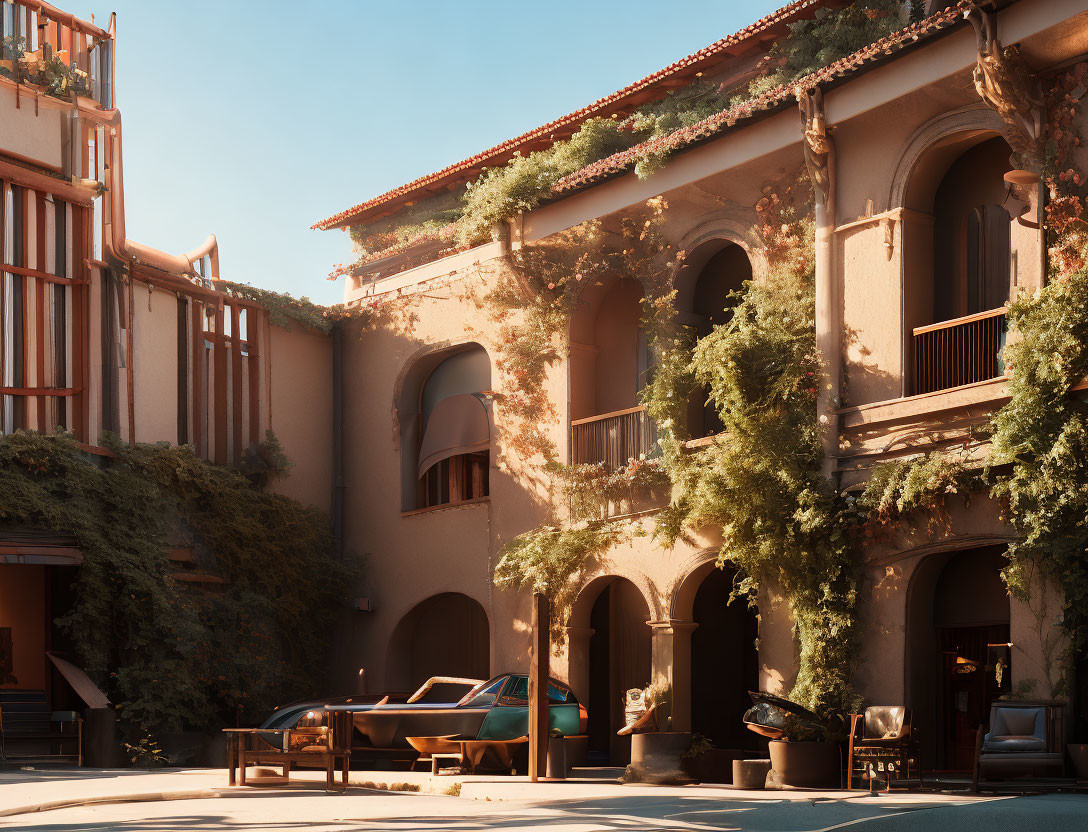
491, 805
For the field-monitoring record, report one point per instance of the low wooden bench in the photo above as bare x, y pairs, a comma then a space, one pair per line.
327, 747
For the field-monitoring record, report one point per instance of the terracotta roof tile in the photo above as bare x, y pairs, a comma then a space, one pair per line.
715, 124
500, 152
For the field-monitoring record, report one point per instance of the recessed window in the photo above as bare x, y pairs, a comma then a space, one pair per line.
449, 454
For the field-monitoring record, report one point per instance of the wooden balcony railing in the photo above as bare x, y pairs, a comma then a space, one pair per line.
613, 438
957, 352
46, 47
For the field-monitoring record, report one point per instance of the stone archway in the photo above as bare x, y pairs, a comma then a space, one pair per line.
958, 632
722, 660
445, 635
609, 653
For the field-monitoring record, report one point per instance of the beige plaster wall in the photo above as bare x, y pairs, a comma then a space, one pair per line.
299, 369
34, 136
155, 364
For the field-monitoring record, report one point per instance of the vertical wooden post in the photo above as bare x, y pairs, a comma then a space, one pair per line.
539, 655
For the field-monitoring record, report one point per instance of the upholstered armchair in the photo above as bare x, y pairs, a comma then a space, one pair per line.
1024, 738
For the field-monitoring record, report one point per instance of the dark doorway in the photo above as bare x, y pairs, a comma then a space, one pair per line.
724, 663
445, 635
619, 659
958, 654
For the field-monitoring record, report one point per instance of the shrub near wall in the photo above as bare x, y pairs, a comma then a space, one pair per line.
175, 656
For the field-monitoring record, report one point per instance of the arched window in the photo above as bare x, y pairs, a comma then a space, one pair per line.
705, 298
971, 234
446, 428
960, 267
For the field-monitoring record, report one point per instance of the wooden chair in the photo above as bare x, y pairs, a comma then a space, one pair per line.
882, 746
1025, 738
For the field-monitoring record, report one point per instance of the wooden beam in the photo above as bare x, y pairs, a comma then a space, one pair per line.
539, 656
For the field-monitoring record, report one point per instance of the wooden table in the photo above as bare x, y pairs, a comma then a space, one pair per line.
244, 748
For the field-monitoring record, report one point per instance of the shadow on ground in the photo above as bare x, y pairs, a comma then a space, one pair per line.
1068, 813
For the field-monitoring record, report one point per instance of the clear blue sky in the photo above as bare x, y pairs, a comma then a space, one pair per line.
253, 120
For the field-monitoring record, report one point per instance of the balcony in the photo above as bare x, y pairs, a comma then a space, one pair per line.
62, 56
613, 439
961, 351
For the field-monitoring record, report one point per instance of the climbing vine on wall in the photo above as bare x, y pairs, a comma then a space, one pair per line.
396, 311
759, 480
531, 315
173, 655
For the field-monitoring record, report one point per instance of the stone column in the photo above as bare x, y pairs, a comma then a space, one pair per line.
670, 641
820, 160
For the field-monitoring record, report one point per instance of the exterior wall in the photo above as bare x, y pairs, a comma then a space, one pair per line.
32, 136
155, 364
300, 383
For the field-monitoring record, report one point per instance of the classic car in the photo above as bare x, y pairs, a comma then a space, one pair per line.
497, 709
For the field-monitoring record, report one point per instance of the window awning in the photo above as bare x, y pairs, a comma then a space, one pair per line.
458, 425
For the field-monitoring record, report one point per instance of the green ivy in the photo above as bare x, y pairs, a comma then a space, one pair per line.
175, 655
1042, 433
759, 480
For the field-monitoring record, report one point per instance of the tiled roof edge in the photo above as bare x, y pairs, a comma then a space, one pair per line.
719, 122
578, 115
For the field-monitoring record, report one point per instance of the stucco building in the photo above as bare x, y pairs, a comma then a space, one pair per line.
920, 243
918, 252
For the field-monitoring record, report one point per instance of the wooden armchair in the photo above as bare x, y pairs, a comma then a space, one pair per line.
882, 746
1025, 738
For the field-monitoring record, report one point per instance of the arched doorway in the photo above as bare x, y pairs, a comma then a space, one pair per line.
616, 659
724, 662
445, 635
959, 656
705, 288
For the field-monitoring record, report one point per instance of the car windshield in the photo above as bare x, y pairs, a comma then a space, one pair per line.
482, 695
517, 692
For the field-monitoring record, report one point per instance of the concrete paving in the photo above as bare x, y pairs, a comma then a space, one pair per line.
579, 805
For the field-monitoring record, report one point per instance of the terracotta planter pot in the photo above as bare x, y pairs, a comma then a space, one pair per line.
1078, 753
806, 765
656, 758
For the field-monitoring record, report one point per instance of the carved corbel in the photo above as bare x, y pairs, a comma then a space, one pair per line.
1006, 83
819, 148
